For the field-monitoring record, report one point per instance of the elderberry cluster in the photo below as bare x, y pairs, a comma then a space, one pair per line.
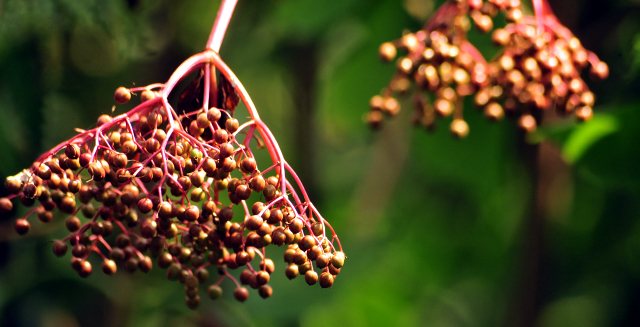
538, 68
186, 194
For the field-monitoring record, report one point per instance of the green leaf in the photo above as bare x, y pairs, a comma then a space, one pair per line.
585, 135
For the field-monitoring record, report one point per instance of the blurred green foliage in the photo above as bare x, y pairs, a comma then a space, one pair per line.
435, 229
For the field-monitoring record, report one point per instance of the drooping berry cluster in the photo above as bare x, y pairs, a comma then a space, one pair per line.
181, 190
539, 67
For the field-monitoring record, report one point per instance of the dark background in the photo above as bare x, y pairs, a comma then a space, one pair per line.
487, 231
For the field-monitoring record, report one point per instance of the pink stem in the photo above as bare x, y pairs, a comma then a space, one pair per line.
220, 26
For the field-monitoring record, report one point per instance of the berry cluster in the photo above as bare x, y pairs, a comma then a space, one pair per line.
539, 67
181, 189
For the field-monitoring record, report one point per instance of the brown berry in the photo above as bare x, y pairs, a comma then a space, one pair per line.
338, 259
326, 280
109, 267
292, 271
5, 205
311, 277
231, 125
241, 294
122, 95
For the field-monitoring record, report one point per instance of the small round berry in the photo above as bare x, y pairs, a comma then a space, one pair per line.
22, 226
338, 259
147, 95
226, 150
145, 264
103, 119
242, 258
241, 294
221, 136
60, 248
78, 250
493, 111
296, 226
193, 302
122, 95
584, 113
307, 242
459, 128
231, 125
599, 71
109, 267
202, 274
527, 123
214, 292
387, 51
326, 280
85, 159
192, 213
195, 155
73, 223
267, 265
262, 277
85, 269
254, 222
257, 183
265, 291
248, 165
202, 120
311, 277
145, 205
214, 114
151, 145
30, 191
317, 228
292, 271
44, 172
72, 151
131, 264
323, 260
314, 252
5, 205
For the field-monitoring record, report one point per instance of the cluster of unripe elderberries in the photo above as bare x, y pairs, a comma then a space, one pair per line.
539, 67
182, 191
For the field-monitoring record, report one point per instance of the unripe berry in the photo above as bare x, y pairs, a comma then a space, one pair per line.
214, 292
